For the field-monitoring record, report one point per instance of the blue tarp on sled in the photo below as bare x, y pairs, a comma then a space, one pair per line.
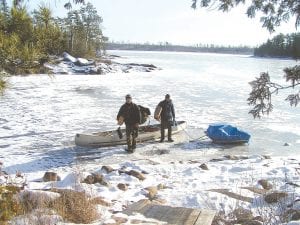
226, 134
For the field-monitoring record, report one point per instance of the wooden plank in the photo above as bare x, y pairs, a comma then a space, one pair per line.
256, 190
192, 218
233, 195
136, 207
145, 209
205, 217
171, 215
177, 215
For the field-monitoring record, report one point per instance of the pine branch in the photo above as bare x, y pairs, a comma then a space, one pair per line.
263, 89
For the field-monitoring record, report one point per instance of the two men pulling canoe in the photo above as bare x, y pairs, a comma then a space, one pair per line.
130, 114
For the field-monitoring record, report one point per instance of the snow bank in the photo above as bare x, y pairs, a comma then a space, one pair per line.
187, 184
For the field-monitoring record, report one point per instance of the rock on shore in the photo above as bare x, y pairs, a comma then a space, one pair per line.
68, 64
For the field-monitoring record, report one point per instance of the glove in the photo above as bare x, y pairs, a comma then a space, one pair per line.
120, 134
174, 122
120, 120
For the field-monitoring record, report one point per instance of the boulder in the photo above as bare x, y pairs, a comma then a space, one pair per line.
150, 66
243, 214
296, 215
3, 173
96, 71
203, 166
98, 178
265, 184
161, 186
84, 62
107, 169
123, 187
51, 176
69, 58
152, 192
95, 178
292, 214
216, 160
275, 197
136, 174
119, 220
232, 157
137, 221
89, 179
144, 172
243, 157
110, 222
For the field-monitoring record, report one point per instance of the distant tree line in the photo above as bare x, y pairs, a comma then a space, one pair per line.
67, 5
166, 46
28, 39
280, 46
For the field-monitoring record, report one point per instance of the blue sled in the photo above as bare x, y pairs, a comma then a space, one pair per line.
226, 134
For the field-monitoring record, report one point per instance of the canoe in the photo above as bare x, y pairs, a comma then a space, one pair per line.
227, 134
111, 138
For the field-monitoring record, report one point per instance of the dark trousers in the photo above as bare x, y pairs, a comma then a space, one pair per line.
163, 126
131, 135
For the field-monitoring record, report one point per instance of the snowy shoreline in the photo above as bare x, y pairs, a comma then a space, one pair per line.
194, 183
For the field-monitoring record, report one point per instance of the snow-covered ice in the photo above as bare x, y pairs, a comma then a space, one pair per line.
40, 116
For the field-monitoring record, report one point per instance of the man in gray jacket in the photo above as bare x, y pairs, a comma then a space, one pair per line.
167, 117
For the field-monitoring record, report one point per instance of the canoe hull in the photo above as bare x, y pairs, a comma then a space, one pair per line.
111, 138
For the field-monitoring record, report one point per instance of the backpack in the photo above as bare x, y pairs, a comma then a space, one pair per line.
144, 113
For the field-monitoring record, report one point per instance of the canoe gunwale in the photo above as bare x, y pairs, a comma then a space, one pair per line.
146, 133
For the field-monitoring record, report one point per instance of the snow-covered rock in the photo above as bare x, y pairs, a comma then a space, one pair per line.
68, 57
72, 65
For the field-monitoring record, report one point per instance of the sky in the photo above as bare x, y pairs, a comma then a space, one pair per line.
174, 21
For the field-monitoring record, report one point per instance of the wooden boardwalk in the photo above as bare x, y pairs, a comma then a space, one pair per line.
171, 215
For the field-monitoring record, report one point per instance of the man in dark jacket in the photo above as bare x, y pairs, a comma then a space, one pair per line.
130, 114
167, 117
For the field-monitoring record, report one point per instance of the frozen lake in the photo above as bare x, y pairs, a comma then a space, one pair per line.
39, 115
